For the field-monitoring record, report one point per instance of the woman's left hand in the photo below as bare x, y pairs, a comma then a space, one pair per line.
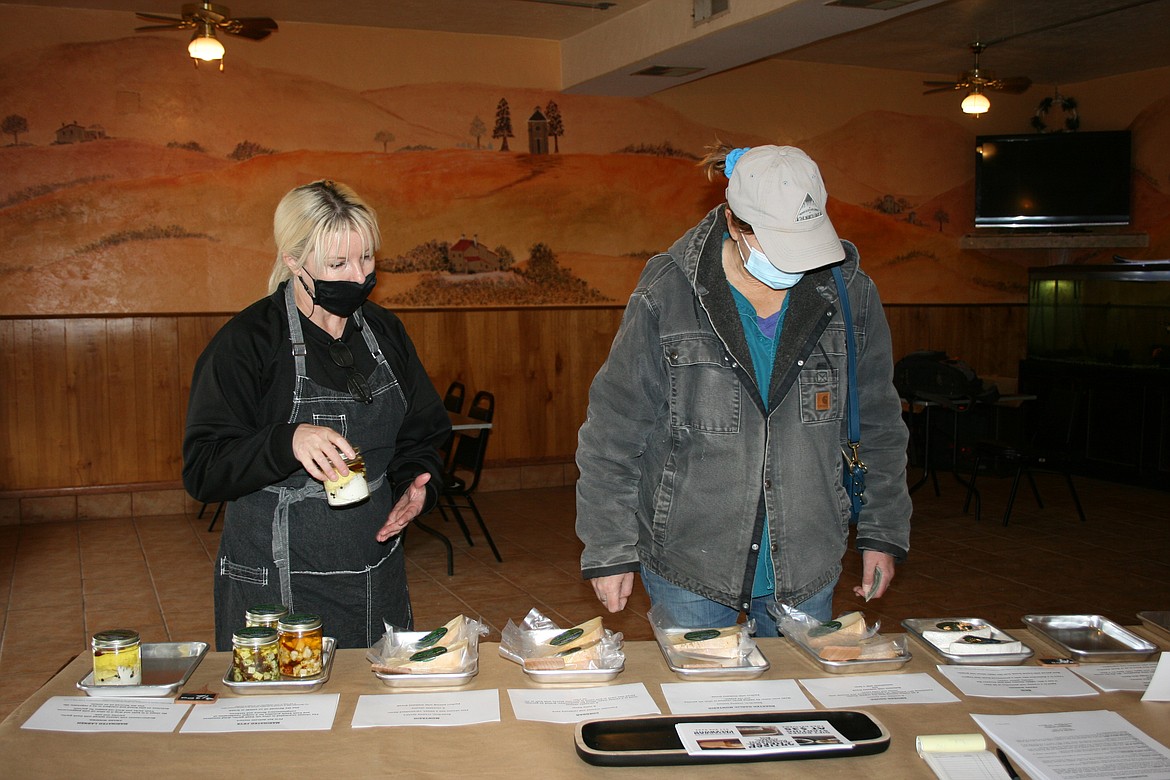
406, 509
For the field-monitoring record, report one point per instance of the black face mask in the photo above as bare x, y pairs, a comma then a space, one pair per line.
341, 298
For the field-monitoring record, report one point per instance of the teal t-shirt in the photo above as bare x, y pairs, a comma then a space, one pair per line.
762, 335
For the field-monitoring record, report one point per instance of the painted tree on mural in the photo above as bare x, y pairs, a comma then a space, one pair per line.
384, 137
14, 125
477, 130
246, 150
503, 128
941, 217
556, 126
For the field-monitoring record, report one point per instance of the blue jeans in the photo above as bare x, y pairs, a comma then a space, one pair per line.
681, 607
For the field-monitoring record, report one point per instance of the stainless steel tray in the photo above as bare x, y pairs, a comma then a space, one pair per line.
560, 676
1159, 622
436, 680
1090, 637
861, 667
919, 626
575, 676
287, 684
751, 667
165, 667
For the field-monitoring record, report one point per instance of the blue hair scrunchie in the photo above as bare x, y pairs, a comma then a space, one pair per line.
732, 158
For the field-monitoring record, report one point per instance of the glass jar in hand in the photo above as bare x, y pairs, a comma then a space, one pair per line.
351, 488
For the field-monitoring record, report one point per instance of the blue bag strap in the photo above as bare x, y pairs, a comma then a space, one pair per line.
851, 404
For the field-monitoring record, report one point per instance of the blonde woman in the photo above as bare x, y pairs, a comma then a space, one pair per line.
287, 391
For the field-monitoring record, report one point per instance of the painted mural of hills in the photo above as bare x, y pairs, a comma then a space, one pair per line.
137, 88
133, 224
882, 153
202, 242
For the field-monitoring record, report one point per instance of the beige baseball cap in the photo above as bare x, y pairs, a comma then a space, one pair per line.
778, 190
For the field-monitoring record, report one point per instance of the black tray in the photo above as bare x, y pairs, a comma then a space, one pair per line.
652, 741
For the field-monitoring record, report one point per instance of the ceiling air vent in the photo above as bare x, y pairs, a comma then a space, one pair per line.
666, 70
707, 9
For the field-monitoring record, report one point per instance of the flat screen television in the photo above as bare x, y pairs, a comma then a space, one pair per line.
1052, 180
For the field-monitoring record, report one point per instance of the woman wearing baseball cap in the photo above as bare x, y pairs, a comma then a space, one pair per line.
711, 458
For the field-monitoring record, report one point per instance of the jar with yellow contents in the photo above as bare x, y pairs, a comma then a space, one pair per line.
300, 645
117, 657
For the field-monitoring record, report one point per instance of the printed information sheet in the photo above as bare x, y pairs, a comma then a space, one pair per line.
573, 705
1016, 681
690, 698
705, 739
90, 714
1118, 677
459, 708
863, 690
264, 713
1095, 745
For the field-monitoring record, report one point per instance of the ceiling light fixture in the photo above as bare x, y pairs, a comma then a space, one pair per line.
976, 103
205, 46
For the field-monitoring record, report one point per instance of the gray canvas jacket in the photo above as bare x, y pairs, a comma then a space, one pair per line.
679, 462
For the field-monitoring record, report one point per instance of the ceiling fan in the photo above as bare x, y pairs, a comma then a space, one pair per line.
978, 81
205, 19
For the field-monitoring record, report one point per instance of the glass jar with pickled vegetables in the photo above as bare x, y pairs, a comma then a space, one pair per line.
117, 657
267, 615
300, 645
254, 655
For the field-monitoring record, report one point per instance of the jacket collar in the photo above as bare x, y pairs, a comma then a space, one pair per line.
699, 254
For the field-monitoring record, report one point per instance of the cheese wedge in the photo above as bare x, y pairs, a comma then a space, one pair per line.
845, 630
573, 658
879, 650
840, 652
583, 635
717, 642
433, 660
446, 635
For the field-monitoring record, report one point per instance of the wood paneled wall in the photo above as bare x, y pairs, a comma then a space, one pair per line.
88, 402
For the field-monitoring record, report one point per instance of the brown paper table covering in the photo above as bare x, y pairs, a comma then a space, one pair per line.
510, 748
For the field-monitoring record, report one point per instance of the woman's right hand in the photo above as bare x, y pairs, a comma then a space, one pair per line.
322, 451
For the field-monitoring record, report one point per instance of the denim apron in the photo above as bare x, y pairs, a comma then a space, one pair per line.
285, 544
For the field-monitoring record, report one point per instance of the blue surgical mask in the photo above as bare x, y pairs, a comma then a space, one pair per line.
758, 265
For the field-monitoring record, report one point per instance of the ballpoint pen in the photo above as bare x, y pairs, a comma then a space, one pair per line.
1003, 759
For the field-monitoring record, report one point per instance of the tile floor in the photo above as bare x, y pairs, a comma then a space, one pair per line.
60, 582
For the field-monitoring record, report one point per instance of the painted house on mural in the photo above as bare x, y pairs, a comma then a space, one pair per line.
74, 133
537, 133
468, 256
